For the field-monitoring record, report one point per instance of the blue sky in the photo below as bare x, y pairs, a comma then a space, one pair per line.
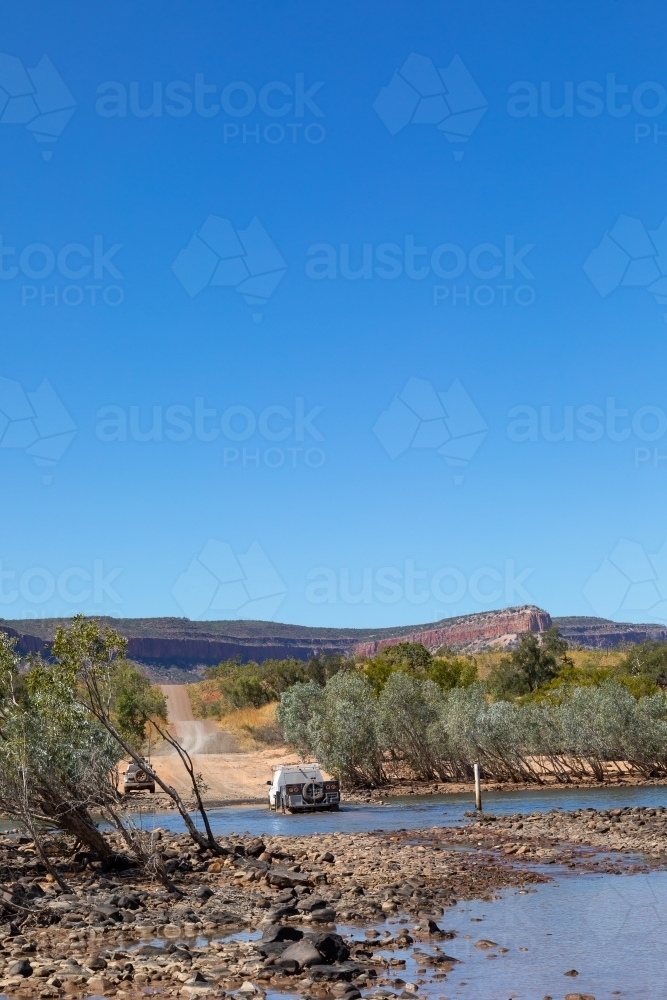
349, 450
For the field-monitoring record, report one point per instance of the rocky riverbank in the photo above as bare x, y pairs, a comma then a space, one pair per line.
286, 913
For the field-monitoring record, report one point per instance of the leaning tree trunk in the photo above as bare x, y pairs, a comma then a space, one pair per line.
74, 819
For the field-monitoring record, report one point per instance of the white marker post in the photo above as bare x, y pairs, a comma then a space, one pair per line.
478, 789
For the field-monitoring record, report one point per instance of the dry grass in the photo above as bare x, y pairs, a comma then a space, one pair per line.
253, 728
206, 700
600, 659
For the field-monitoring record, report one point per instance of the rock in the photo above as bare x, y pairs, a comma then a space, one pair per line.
107, 910
433, 927
256, 848
331, 946
484, 944
286, 896
272, 950
328, 857
303, 952
20, 968
324, 914
128, 901
276, 932
97, 984
204, 892
474, 628
347, 971
247, 988
579, 996
572, 972
284, 879
196, 980
388, 906
286, 910
310, 903
97, 963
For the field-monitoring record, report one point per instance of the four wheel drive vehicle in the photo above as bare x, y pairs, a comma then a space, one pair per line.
136, 780
302, 788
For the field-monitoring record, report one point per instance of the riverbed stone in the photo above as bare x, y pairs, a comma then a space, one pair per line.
303, 952
21, 968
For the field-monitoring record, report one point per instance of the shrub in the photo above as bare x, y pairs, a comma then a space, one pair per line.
337, 725
406, 709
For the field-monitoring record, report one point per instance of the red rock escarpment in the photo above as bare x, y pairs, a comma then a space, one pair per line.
466, 630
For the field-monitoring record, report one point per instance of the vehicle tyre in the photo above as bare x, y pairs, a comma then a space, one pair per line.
139, 776
313, 792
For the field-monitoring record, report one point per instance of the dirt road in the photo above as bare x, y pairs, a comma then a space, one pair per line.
197, 736
230, 776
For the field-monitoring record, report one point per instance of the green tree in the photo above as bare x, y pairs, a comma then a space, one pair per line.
410, 657
535, 661
452, 672
406, 709
91, 655
647, 660
134, 703
337, 724
56, 763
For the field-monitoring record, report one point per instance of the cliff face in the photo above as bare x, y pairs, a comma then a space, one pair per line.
599, 633
183, 645
477, 630
179, 642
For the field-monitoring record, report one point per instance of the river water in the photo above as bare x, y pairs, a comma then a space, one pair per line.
610, 929
414, 812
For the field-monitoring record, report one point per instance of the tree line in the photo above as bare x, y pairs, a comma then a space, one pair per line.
535, 717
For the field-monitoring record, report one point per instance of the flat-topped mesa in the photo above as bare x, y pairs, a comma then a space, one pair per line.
467, 630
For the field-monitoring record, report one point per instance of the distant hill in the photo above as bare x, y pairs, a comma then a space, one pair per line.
600, 633
180, 646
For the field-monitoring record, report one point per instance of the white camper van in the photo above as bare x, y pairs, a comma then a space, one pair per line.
301, 788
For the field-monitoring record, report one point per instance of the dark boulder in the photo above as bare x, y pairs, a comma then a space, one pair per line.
331, 946
20, 968
276, 932
303, 952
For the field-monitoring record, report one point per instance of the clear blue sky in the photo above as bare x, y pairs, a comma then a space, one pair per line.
197, 184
